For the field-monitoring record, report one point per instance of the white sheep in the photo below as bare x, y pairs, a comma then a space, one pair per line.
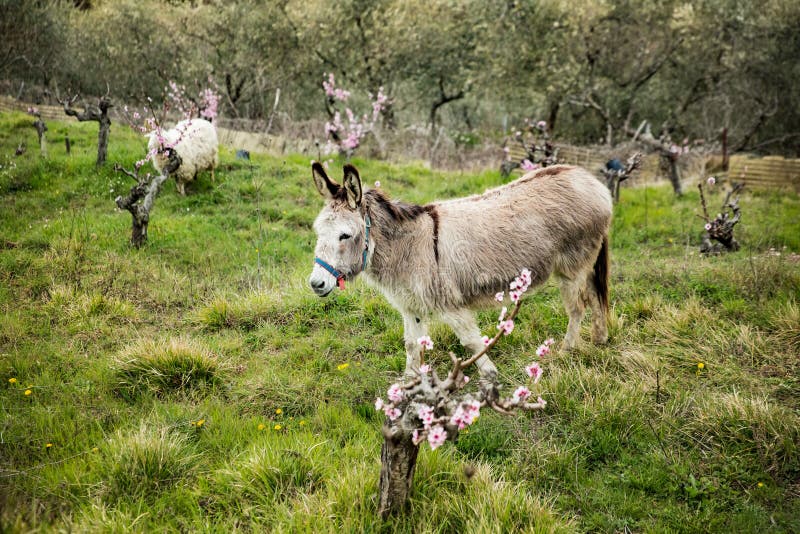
195, 142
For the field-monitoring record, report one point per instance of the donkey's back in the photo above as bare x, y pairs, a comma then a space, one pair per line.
554, 220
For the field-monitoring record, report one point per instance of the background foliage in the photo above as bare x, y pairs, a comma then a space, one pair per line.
593, 69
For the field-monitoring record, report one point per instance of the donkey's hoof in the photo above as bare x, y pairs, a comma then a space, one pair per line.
568, 347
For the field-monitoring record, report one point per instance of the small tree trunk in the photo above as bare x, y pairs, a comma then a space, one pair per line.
67, 144
725, 156
142, 196
673, 173
41, 128
398, 460
102, 139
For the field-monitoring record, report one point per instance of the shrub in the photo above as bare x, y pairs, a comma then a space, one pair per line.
162, 367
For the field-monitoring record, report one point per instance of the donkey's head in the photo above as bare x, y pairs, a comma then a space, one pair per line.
342, 231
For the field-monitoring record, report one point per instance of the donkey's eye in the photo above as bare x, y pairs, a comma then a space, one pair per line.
342, 237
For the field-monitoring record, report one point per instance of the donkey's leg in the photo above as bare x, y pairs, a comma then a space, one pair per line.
466, 328
414, 327
573, 294
599, 318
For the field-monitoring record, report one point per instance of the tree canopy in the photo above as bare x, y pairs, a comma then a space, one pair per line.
594, 69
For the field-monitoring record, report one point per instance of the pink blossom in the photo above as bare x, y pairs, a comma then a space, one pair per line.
527, 165
474, 407
515, 295
466, 414
506, 149
329, 85
378, 404
486, 340
499, 296
466, 379
425, 414
534, 371
542, 125
549, 341
708, 226
416, 437
436, 436
377, 184
424, 368
503, 313
395, 393
541, 402
460, 419
426, 342
520, 394
711, 180
543, 350
392, 413
506, 326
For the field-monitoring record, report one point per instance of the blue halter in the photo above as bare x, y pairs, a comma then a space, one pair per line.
337, 274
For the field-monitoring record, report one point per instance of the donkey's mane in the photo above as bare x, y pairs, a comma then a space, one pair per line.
396, 209
400, 211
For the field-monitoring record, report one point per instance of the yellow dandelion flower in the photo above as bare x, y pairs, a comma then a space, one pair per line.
760, 484
49, 445
278, 427
95, 449
303, 423
200, 422
701, 365
342, 366
28, 392
12, 380
279, 411
262, 426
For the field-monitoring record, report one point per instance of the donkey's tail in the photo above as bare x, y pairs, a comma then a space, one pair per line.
600, 277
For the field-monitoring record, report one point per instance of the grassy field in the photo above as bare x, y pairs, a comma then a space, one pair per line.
197, 383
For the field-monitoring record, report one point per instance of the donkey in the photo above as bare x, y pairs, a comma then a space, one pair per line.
446, 258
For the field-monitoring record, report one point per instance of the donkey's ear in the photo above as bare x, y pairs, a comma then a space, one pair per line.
352, 185
326, 187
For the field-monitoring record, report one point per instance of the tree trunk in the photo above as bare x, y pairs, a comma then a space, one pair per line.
675, 176
102, 139
398, 460
387, 114
142, 196
552, 115
725, 157
41, 128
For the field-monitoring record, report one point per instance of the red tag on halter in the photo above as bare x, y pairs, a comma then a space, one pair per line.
340, 282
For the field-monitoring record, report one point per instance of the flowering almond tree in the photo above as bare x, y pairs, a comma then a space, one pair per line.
537, 154
204, 106
41, 128
141, 197
720, 228
432, 409
345, 136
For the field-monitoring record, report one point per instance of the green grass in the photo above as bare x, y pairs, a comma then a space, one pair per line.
125, 351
